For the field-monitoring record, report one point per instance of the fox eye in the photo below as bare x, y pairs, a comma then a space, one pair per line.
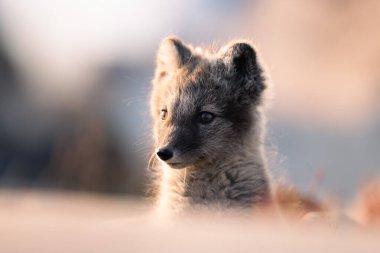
206, 117
164, 113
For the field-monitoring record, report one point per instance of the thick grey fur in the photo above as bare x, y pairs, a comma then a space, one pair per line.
221, 163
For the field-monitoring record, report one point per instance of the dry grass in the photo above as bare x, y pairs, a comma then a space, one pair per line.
366, 208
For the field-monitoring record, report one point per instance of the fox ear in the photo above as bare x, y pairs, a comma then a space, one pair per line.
172, 55
242, 68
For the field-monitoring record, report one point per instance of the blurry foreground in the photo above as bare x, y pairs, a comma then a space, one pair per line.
56, 222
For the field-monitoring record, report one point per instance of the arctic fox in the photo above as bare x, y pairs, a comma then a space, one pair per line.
208, 128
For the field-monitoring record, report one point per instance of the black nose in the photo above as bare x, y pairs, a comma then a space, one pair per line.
165, 154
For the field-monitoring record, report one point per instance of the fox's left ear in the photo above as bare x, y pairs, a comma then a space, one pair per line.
240, 62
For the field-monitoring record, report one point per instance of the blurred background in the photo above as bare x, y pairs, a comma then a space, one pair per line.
75, 82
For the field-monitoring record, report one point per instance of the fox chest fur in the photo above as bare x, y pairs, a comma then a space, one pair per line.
208, 128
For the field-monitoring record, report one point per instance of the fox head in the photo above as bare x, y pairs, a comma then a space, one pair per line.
204, 106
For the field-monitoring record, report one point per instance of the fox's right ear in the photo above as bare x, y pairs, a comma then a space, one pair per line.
172, 55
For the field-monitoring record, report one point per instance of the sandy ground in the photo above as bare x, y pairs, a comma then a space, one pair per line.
57, 222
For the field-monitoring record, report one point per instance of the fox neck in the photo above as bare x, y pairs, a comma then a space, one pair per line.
237, 180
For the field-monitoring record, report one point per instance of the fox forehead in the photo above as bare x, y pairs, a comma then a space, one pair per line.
195, 88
